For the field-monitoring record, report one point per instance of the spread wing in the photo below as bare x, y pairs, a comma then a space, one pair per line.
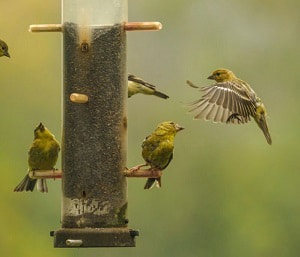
228, 102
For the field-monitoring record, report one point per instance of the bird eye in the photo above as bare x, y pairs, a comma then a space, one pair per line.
218, 73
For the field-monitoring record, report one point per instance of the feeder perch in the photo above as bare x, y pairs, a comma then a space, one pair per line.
44, 174
94, 145
142, 173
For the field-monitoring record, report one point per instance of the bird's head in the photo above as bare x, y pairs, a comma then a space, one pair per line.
222, 75
169, 128
4, 49
42, 132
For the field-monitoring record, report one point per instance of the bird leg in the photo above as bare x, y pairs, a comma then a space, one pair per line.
53, 171
134, 170
155, 172
138, 167
232, 117
142, 173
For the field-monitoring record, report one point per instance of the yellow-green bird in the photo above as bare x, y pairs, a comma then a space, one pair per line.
3, 49
157, 149
138, 86
42, 155
230, 100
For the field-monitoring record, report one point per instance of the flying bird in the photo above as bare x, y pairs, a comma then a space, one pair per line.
230, 100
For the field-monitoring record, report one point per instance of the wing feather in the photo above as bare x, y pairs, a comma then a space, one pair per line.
225, 102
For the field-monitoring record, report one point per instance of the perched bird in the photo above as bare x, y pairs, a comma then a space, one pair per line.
42, 155
3, 49
230, 100
137, 85
157, 149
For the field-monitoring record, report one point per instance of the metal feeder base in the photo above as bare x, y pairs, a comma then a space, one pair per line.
94, 237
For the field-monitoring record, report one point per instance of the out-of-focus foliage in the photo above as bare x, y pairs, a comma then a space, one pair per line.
226, 192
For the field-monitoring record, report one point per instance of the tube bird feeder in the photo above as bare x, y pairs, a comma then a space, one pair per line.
94, 142
94, 200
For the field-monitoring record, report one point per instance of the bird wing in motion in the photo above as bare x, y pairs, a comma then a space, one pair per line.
225, 102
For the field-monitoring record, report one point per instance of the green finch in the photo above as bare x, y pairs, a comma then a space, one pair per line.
230, 100
157, 149
3, 49
137, 85
42, 155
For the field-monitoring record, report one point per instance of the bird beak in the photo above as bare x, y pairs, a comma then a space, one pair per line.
179, 128
7, 54
211, 77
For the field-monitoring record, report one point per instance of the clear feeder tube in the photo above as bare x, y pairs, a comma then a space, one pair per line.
94, 143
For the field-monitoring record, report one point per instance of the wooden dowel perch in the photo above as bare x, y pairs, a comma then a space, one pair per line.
45, 174
139, 26
137, 173
45, 28
142, 173
128, 26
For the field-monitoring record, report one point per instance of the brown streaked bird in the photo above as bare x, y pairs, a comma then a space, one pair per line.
230, 100
137, 85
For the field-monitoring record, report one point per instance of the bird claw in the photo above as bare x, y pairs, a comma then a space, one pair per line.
232, 117
155, 172
136, 168
53, 171
145, 173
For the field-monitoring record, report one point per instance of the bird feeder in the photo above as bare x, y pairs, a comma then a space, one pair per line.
94, 137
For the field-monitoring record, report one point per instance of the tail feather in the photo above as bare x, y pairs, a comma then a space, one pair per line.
262, 123
160, 94
42, 186
27, 184
151, 182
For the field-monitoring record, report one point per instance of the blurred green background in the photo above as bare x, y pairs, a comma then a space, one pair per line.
227, 192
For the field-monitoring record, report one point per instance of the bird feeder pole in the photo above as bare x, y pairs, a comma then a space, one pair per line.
94, 142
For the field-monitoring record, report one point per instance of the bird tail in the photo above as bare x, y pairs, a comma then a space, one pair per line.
262, 123
151, 182
160, 94
27, 184
42, 186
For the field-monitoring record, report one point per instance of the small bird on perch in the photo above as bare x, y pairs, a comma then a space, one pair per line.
3, 49
137, 85
230, 100
157, 150
42, 155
